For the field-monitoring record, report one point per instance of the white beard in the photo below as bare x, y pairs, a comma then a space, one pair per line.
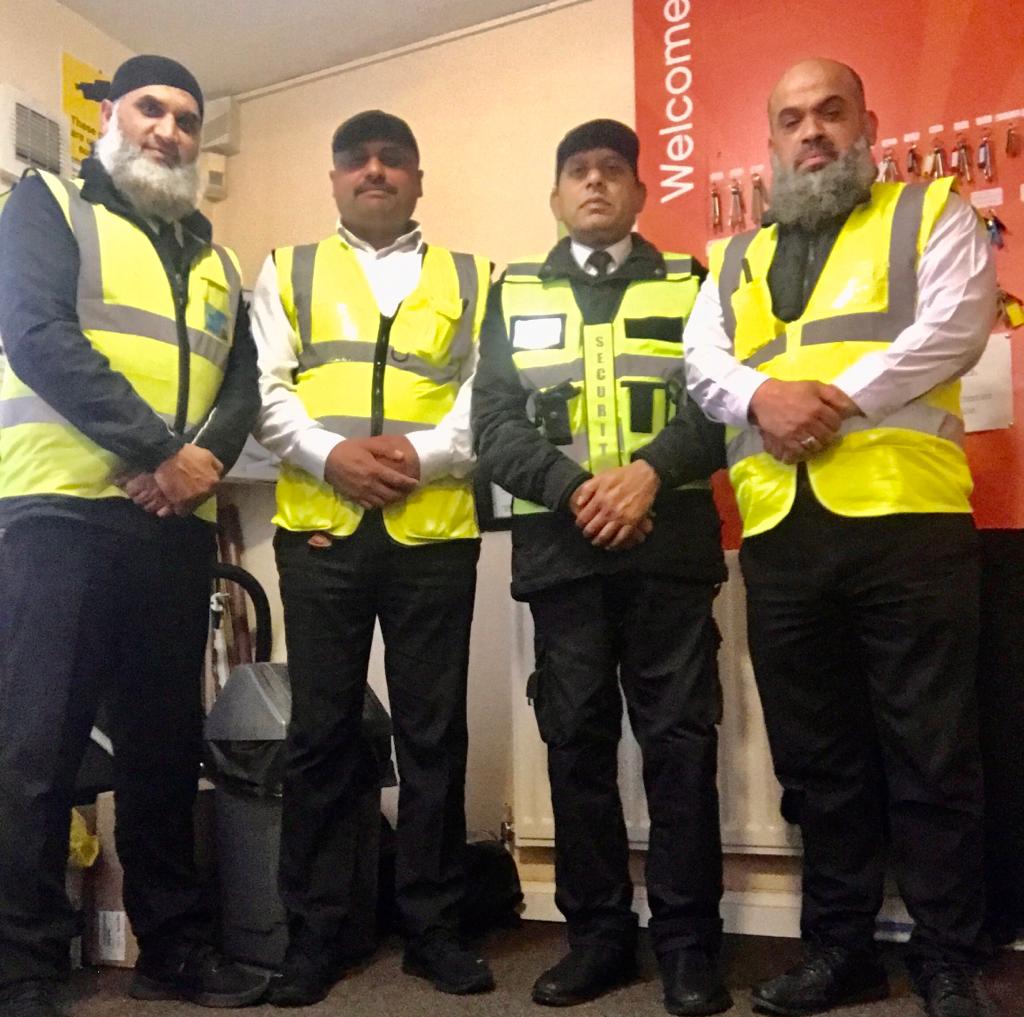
810, 200
168, 193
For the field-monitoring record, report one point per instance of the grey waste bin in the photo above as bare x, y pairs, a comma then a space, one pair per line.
245, 749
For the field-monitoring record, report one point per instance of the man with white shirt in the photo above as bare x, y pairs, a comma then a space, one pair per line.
580, 411
365, 341
830, 342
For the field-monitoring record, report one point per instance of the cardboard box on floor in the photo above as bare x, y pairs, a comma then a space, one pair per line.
109, 940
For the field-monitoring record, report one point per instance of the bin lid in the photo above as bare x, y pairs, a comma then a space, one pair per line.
253, 706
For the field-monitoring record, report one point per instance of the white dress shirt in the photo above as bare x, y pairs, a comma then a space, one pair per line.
956, 303
288, 430
619, 252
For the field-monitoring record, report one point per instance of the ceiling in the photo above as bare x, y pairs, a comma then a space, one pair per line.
235, 46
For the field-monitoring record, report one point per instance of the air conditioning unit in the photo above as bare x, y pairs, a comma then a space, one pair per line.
30, 136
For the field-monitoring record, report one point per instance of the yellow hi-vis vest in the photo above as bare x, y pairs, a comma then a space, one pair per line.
621, 380
355, 382
910, 461
126, 309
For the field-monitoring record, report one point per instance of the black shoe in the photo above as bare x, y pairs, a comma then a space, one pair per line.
949, 990
693, 986
442, 962
196, 973
828, 976
35, 998
585, 972
303, 980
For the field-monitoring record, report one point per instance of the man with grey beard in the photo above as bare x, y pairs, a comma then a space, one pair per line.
130, 387
830, 342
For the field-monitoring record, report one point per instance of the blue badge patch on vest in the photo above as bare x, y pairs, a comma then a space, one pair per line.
216, 322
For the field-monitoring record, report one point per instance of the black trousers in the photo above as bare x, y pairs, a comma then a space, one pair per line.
1001, 705
863, 634
656, 636
423, 598
86, 612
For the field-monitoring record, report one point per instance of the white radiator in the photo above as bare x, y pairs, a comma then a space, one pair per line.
749, 792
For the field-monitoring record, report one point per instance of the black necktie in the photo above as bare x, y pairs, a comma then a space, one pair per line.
600, 261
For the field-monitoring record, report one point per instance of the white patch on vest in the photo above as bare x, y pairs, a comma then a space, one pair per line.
347, 326
537, 333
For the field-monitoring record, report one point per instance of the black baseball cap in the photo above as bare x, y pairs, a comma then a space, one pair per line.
373, 125
150, 69
599, 134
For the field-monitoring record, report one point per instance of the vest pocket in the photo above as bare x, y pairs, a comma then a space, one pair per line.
756, 324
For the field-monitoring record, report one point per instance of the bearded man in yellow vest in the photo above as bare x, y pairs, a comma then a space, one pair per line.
366, 340
830, 342
130, 386
580, 412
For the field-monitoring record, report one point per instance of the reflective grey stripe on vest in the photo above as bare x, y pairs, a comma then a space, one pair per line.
469, 291
627, 365
359, 427
133, 321
883, 326
527, 268
302, 290
31, 409
679, 266
729, 277
356, 351
920, 417
869, 326
96, 313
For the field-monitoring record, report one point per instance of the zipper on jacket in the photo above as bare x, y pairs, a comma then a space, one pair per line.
380, 360
179, 287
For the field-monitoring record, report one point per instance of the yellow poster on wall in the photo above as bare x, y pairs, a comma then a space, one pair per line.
79, 81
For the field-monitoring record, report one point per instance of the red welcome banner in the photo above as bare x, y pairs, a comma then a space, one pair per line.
947, 73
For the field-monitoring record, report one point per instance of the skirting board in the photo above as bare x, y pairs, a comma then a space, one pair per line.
748, 912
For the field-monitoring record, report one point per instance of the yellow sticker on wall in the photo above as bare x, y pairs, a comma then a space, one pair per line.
79, 81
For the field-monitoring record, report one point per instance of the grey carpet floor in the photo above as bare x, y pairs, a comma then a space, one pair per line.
379, 989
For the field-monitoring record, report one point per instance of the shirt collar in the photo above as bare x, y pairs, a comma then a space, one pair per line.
410, 241
619, 251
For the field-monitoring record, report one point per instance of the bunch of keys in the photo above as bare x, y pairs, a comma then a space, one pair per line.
888, 172
985, 160
961, 160
913, 162
935, 161
716, 210
758, 198
736, 213
995, 226
1013, 145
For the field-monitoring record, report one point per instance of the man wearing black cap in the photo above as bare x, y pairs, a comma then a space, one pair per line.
580, 411
130, 386
366, 340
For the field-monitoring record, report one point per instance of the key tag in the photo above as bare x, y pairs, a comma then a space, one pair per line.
888, 172
995, 227
913, 162
929, 162
716, 209
985, 163
962, 160
758, 198
938, 161
1013, 145
736, 211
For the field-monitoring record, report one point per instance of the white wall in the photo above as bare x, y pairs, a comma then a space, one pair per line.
33, 37
488, 110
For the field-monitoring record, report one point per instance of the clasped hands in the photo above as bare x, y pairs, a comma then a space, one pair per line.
613, 509
798, 419
178, 485
373, 472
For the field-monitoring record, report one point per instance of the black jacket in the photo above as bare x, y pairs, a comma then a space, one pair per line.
547, 548
45, 346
